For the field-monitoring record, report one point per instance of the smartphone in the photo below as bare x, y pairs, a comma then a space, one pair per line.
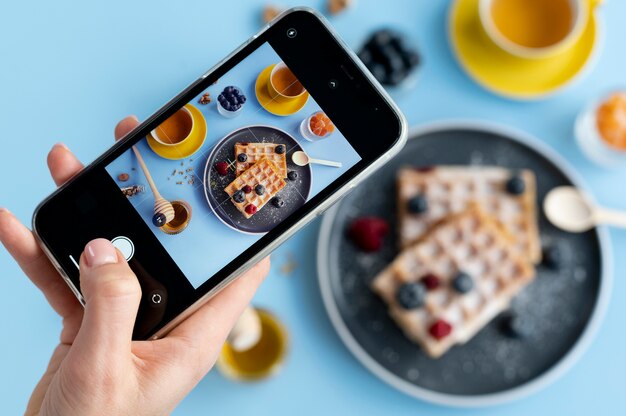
211, 183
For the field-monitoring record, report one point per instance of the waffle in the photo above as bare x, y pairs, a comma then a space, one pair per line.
256, 151
471, 242
450, 189
263, 172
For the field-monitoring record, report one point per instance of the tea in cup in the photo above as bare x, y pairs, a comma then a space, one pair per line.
176, 129
283, 85
534, 28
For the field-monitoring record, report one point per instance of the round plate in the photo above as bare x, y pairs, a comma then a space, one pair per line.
268, 103
189, 146
295, 194
564, 307
508, 75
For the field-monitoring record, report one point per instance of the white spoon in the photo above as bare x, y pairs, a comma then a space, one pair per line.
302, 159
568, 209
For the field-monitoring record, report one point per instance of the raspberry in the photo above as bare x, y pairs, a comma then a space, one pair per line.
440, 329
368, 233
247, 189
425, 169
222, 168
250, 209
431, 281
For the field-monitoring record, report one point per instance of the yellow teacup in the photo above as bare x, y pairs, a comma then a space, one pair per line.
535, 29
282, 85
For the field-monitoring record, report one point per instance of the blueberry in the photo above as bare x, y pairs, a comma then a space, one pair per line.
229, 89
515, 185
280, 149
232, 99
462, 282
515, 325
411, 295
278, 202
241, 99
383, 37
242, 157
221, 98
159, 219
239, 196
392, 60
411, 59
396, 77
418, 204
292, 175
365, 56
552, 257
379, 72
236, 92
259, 189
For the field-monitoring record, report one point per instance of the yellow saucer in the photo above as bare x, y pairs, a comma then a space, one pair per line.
508, 75
279, 109
189, 146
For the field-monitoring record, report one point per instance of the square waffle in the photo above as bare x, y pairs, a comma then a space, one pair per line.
256, 151
263, 172
472, 243
451, 189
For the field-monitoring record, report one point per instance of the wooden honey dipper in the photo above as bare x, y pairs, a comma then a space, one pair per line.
163, 209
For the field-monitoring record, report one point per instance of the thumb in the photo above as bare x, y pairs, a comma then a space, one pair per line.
112, 294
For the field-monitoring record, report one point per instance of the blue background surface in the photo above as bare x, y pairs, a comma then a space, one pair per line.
207, 244
71, 70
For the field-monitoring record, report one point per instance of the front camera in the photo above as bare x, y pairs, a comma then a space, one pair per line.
292, 33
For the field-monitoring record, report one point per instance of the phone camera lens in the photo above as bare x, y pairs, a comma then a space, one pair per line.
333, 84
292, 33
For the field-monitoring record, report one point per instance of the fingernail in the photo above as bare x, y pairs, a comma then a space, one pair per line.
3, 210
100, 252
134, 117
61, 146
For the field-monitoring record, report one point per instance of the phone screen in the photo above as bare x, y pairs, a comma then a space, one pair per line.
235, 161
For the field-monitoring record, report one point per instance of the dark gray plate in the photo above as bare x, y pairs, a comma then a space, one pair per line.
491, 367
295, 194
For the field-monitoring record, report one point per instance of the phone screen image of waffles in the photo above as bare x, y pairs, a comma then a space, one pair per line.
226, 158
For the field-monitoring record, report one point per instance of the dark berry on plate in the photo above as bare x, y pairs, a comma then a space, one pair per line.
239, 196
229, 89
368, 233
418, 204
280, 149
411, 295
221, 98
515, 185
250, 209
259, 189
552, 257
292, 175
247, 189
389, 57
159, 219
242, 157
431, 281
515, 325
462, 282
278, 202
440, 329
222, 168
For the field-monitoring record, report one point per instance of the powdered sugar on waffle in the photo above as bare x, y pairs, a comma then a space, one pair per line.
470, 242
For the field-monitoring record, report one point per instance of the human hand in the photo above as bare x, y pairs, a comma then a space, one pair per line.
97, 369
